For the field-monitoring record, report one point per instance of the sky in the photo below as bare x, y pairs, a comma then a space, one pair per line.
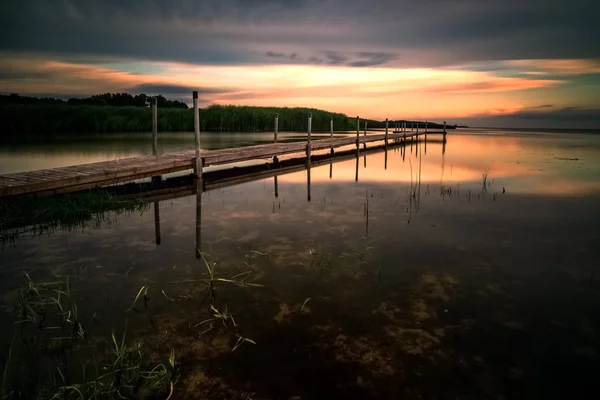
526, 63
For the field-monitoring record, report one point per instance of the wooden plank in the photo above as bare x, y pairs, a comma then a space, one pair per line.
96, 174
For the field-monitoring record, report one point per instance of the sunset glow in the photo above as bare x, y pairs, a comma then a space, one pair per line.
278, 54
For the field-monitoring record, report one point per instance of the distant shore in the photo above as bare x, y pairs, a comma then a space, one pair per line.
22, 117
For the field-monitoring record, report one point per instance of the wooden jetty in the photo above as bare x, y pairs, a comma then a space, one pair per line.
94, 175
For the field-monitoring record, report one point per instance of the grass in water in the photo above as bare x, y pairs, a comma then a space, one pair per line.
33, 215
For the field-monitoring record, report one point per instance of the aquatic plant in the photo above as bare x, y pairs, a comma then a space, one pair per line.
484, 176
56, 336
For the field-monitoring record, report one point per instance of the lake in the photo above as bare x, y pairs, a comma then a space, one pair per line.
460, 271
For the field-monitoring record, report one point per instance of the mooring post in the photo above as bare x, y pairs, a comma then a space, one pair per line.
425, 128
417, 128
444, 129
386, 131
331, 131
331, 128
365, 128
276, 126
154, 126
308, 149
153, 102
357, 131
198, 165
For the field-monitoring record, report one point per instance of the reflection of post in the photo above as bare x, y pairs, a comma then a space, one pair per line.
330, 170
198, 217
357, 156
444, 146
157, 222
365, 161
276, 187
308, 179
385, 162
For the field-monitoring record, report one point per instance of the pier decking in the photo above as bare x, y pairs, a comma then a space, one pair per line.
93, 175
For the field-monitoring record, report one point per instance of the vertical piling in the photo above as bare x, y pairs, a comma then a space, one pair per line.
386, 131
198, 166
276, 127
331, 128
154, 126
357, 131
308, 146
365, 128
153, 102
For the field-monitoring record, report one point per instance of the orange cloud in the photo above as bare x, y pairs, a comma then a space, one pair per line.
567, 67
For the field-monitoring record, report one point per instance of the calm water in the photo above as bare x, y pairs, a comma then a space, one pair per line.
455, 292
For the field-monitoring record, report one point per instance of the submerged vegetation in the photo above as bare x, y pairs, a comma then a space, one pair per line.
25, 214
51, 338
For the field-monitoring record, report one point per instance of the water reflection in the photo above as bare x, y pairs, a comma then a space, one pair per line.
367, 292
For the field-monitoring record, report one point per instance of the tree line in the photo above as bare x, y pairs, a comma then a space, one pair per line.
105, 99
22, 116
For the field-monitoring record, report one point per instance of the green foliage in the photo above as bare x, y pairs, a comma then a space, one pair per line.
121, 112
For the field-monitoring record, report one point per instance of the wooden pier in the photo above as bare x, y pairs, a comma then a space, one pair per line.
86, 176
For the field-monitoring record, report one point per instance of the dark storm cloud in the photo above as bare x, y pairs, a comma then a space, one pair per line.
174, 89
427, 33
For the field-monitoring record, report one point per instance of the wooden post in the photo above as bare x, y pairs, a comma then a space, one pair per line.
357, 131
198, 217
417, 128
331, 128
198, 166
444, 129
153, 102
365, 128
331, 132
154, 126
386, 131
308, 149
276, 126
425, 128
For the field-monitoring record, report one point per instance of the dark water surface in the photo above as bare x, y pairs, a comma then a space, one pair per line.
413, 282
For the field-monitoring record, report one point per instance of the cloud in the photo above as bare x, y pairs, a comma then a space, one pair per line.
545, 116
492, 85
240, 32
173, 89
